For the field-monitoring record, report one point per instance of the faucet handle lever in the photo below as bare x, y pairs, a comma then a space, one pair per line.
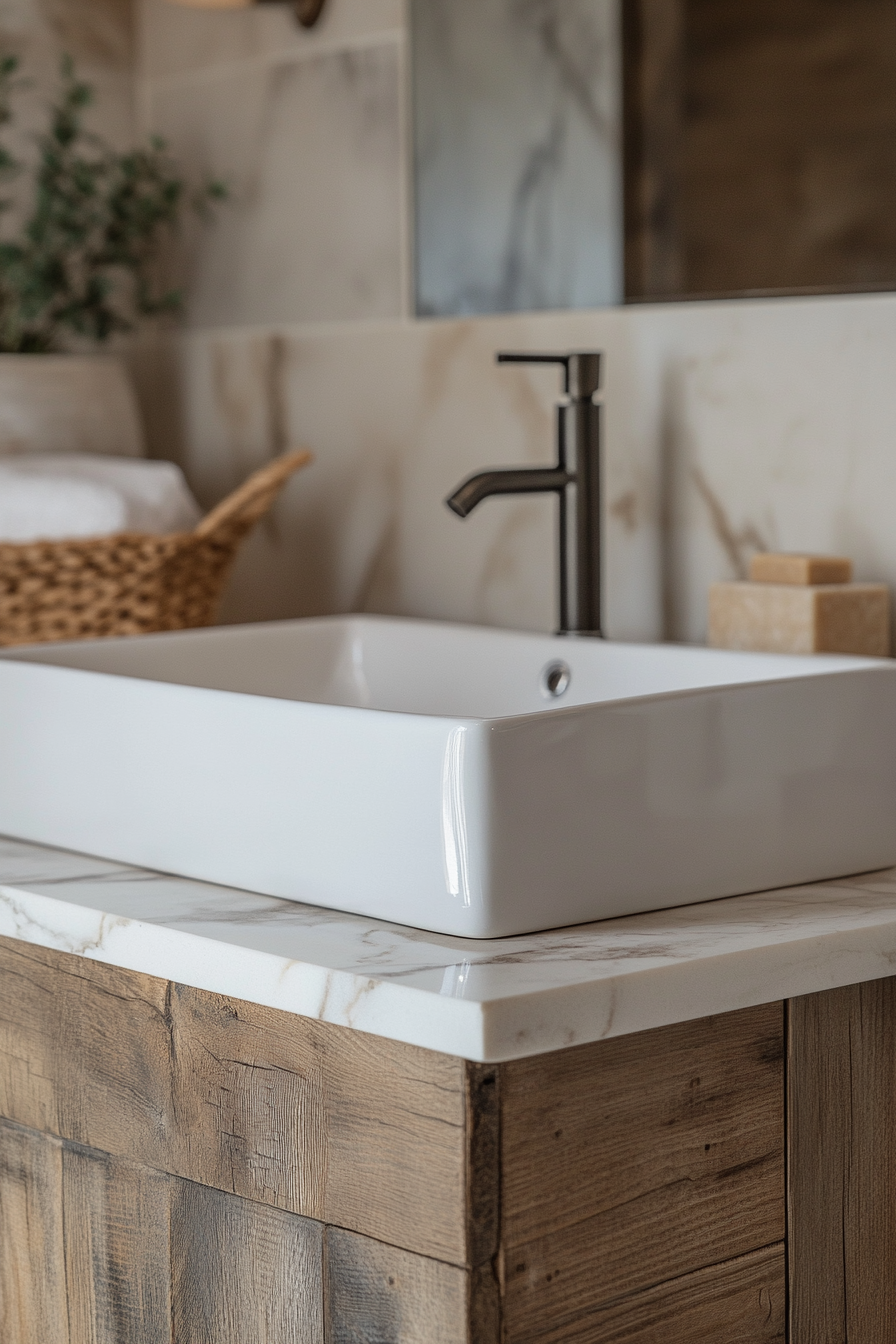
581, 370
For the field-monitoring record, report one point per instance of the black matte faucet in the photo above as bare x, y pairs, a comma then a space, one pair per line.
575, 480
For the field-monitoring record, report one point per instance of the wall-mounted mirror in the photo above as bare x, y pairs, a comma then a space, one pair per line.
518, 168
573, 153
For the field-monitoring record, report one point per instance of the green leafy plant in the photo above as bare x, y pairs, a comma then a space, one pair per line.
85, 261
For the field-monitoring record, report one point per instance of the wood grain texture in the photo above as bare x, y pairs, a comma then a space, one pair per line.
378, 1294
788, 161
842, 1164
223, 1168
28, 1020
740, 1301
243, 1273
653, 53
98, 1250
335, 1124
32, 1255
318, 1120
635, 1161
761, 151
484, 1166
116, 1219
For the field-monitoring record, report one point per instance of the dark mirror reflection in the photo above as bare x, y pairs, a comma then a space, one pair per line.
574, 153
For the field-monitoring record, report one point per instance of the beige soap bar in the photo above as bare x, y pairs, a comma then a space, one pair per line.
798, 618
768, 567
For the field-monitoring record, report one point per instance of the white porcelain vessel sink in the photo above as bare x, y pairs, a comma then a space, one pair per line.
425, 773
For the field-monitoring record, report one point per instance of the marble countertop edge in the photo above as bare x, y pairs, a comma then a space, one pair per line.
606, 1000
340, 998
538, 1022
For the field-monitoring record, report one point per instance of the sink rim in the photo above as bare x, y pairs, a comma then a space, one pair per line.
806, 667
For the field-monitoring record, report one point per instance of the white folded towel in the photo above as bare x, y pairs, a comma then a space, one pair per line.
50, 496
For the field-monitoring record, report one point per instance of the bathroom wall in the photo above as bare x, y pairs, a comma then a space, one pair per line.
307, 129
774, 426
98, 34
729, 425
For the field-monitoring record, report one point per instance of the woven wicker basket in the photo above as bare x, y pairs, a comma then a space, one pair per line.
131, 583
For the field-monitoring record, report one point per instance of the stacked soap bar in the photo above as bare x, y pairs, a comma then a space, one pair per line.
801, 604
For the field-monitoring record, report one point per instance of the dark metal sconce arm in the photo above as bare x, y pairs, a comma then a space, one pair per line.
307, 12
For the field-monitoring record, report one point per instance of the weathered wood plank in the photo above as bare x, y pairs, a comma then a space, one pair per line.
760, 145
564, 1275
28, 1017
379, 1294
653, 56
509, 1202
842, 1164
740, 1301
596, 1126
32, 1254
243, 1273
636, 1161
322, 1121
334, 1124
65, 1026
116, 1249
788, 150
98, 1250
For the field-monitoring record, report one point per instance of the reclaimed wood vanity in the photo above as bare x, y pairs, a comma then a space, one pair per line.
182, 1164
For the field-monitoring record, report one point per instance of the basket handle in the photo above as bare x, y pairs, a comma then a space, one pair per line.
248, 502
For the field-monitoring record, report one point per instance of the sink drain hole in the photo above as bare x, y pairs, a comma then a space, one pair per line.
555, 679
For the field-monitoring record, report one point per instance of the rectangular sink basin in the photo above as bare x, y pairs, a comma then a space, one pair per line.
463, 780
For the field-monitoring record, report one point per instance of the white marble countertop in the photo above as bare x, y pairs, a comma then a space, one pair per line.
482, 1000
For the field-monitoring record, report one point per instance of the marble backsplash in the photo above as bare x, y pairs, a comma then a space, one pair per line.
396, 413
776, 429
729, 427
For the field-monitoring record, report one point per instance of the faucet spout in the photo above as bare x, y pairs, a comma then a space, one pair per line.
512, 481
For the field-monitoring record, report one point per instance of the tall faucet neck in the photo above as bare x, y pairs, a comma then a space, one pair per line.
575, 480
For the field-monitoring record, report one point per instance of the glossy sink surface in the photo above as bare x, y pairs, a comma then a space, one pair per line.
463, 780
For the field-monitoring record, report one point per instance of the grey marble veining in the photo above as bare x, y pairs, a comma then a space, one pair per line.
517, 159
726, 424
310, 149
486, 1000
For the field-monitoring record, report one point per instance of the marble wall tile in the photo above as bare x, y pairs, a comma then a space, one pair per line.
777, 423
397, 414
177, 40
729, 426
99, 35
311, 151
517, 130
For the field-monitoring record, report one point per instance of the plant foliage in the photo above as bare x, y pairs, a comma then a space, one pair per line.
85, 260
